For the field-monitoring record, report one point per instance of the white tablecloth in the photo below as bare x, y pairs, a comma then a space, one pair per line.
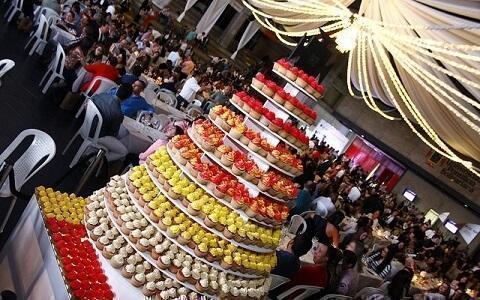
27, 262
28, 266
140, 137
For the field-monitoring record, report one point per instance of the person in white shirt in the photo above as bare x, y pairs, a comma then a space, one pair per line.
190, 88
174, 57
354, 194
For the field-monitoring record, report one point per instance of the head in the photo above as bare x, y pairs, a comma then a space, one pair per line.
299, 245
112, 60
98, 50
123, 92
400, 281
70, 17
138, 86
321, 253
197, 74
137, 70
336, 218
349, 259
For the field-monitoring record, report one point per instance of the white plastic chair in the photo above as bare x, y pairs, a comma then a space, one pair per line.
167, 97
39, 37
297, 222
277, 281
55, 69
367, 291
91, 114
5, 66
335, 297
45, 11
15, 7
308, 290
103, 85
42, 149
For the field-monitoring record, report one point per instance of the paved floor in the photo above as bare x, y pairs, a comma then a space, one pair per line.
22, 106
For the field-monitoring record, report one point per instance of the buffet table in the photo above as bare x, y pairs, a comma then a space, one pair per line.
28, 263
30, 267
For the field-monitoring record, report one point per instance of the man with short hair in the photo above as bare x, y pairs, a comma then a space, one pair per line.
189, 90
135, 103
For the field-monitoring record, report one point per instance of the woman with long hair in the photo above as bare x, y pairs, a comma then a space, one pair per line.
380, 261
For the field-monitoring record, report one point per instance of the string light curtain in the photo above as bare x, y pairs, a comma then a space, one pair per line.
421, 57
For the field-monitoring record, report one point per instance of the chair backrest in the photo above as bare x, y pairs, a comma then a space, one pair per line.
58, 62
92, 113
335, 296
53, 20
167, 98
5, 66
277, 281
45, 11
368, 291
42, 29
19, 4
194, 112
42, 149
307, 291
99, 85
297, 222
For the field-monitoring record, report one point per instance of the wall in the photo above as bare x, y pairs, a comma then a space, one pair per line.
429, 197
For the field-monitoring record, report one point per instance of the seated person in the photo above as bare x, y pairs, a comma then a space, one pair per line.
380, 261
135, 103
314, 275
349, 277
288, 260
106, 70
110, 109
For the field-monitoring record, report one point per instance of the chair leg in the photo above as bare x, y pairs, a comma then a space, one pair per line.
79, 153
45, 76
49, 83
9, 212
14, 12
82, 107
70, 143
29, 41
34, 47
9, 11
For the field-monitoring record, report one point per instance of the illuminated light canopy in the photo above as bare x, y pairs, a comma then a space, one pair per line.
412, 55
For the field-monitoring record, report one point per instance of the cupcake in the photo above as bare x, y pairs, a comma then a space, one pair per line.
253, 144
138, 279
237, 131
142, 244
226, 262
194, 208
184, 238
149, 289
238, 167
269, 88
292, 73
108, 251
164, 262
302, 78
275, 125
173, 231
280, 96
211, 220
128, 271
96, 233
184, 275
227, 159
202, 285
258, 81
230, 231
117, 261
201, 250
272, 156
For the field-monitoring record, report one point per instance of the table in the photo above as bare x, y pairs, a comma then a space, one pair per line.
33, 272
139, 136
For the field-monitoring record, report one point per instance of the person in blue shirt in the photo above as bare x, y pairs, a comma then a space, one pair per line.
304, 199
135, 103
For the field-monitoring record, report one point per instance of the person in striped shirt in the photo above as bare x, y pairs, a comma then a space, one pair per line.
380, 261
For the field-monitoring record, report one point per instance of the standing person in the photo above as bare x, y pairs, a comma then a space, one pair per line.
189, 90
174, 56
325, 230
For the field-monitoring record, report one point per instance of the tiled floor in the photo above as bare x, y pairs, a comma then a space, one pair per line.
22, 106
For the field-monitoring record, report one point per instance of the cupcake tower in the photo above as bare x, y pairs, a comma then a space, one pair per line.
307, 84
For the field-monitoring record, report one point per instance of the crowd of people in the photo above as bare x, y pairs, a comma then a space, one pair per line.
130, 47
343, 210
341, 207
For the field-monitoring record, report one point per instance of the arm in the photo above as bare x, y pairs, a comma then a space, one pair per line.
332, 233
